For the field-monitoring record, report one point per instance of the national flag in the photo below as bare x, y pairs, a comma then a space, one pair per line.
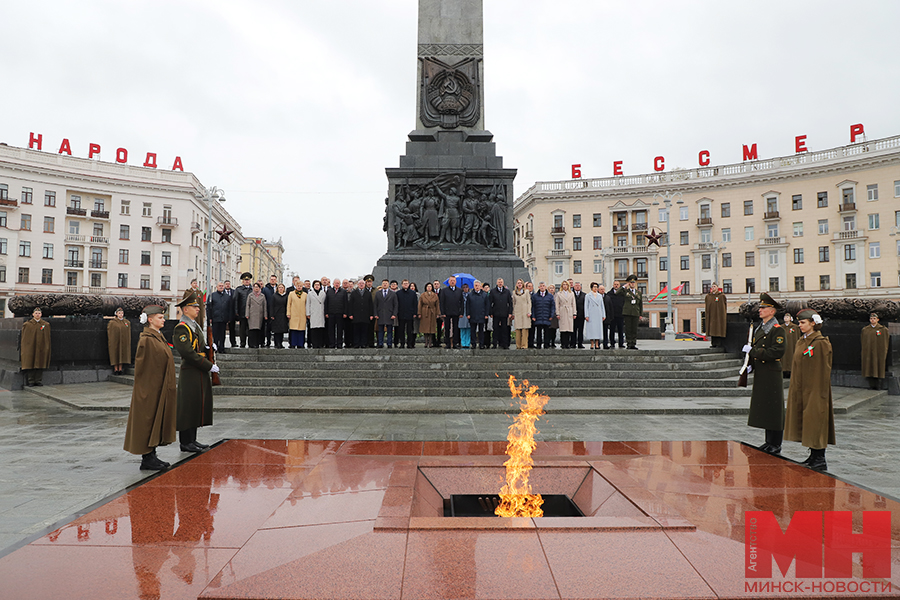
665, 292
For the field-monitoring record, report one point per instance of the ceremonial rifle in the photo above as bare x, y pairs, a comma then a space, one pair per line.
745, 368
211, 354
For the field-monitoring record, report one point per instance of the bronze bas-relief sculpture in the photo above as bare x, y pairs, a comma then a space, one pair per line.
80, 304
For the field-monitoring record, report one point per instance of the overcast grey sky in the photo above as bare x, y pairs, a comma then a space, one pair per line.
295, 107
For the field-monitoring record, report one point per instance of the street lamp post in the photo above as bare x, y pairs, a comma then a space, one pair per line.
667, 201
210, 195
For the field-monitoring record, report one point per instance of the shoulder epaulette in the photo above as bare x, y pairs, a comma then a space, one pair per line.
777, 325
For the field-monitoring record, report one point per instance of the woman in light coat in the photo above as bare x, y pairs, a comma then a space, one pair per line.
296, 312
257, 313
521, 314
429, 310
594, 316
315, 310
565, 310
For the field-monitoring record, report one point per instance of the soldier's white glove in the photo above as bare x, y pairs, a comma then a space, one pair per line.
749, 369
215, 369
215, 348
746, 348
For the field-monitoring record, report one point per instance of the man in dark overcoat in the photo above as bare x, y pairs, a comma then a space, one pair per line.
269, 292
335, 312
578, 321
632, 309
360, 308
240, 306
479, 309
501, 309
716, 315
386, 308
616, 324
767, 398
451, 302
407, 308
195, 398
220, 308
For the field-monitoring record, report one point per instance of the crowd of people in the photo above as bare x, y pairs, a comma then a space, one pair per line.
355, 313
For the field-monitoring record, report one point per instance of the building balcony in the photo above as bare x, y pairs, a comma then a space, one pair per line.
167, 221
96, 290
195, 227
73, 289
73, 264
635, 249
847, 207
771, 215
641, 274
708, 246
99, 239
529, 235
772, 241
76, 212
557, 231
559, 254
8, 202
75, 238
848, 235
639, 227
100, 214
97, 264
704, 222
619, 228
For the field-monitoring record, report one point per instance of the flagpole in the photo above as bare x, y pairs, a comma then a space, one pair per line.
667, 200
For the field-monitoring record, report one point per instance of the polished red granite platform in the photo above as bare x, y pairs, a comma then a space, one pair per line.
328, 519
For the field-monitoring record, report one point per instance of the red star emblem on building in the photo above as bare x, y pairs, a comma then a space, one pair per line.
653, 237
224, 234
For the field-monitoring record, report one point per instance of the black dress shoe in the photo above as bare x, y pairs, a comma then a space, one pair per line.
199, 445
153, 463
765, 447
191, 447
774, 449
818, 464
38, 383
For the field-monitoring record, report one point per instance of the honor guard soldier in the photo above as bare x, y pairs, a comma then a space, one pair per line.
875, 340
631, 310
195, 398
767, 398
35, 348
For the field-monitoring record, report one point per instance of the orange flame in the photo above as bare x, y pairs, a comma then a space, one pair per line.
516, 499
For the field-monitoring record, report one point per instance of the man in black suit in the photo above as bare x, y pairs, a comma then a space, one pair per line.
335, 312
385, 314
240, 306
232, 323
269, 292
579, 314
501, 309
361, 311
617, 323
407, 308
451, 303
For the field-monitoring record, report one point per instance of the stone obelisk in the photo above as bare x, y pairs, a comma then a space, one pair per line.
449, 204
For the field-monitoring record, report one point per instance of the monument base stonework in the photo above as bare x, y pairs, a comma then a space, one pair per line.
425, 267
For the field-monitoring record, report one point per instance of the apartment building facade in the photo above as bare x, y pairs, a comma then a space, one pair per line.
811, 225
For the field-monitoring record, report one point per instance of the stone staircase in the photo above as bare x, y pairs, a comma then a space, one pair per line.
685, 372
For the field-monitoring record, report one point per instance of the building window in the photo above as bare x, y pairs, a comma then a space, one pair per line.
874, 221
597, 219
749, 259
822, 200
684, 238
124, 232
772, 230
750, 285
850, 252
74, 227
166, 259
145, 257
726, 259
872, 192
875, 279
726, 286
147, 210
798, 256
705, 236
849, 223
2, 218
23, 275
773, 284
576, 267
146, 233
98, 229
47, 276
798, 229
851, 281
71, 278
576, 243
598, 266
3, 245
797, 202
557, 219
726, 234
2, 274
663, 263
823, 226
726, 209
897, 189
24, 248
686, 287
96, 280
99, 205
663, 215
748, 207
25, 224
576, 221
167, 235
685, 263
123, 280
97, 258
123, 257
706, 261
49, 225
557, 243
145, 282
748, 234
773, 258
125, 207
165, 283
683, 213
27, 195
48, 251
847, 196
598, 242
75, 202
799, 284
49, 198
824, 282
874, 249
771, 205
824, 254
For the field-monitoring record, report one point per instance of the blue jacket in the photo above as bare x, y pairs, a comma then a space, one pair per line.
542, 309
479, 306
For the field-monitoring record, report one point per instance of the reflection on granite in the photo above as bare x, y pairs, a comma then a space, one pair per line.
330, 519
